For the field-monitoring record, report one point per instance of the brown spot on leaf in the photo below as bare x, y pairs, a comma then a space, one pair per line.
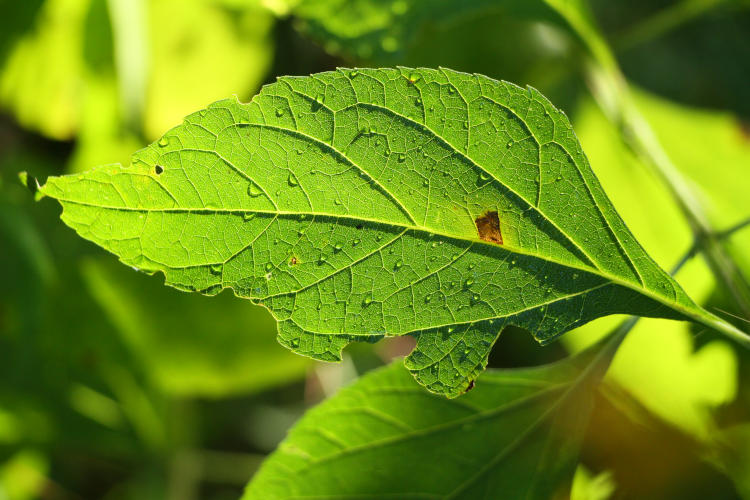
470, 387
293, 261
488, 228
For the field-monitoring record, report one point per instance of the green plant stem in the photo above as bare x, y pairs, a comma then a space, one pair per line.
611, 92
663, 21
610, 89
727, 233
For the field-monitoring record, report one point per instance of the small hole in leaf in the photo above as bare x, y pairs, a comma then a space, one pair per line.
158, 169
488, 228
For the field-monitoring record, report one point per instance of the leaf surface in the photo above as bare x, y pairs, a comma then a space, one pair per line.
361, 203
515, 435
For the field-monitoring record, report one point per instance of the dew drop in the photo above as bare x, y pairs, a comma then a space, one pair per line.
203, 112
399, 263
455, 256
215, 268
484, 176
279, 112
292, 180
337, 202
353, 73
510, 143
401, 157
428, 299
379, 237
246, 216
163, 142
301, 232
471, 266
322, 259
295, 343
469, 282
418, 102
466, 124
367, 301
451, 89
355, 242
254, 190
269, 266
337, 247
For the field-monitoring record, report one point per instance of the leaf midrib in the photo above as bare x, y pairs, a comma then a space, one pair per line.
509, 248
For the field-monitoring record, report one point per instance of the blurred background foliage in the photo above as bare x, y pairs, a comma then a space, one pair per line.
114, 386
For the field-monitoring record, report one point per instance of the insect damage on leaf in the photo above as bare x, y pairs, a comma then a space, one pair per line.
488, 228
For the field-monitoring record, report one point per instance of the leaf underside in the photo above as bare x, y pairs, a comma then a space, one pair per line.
516, 435
355, 204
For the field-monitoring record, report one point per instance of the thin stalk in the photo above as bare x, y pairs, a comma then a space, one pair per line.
610, 89
664, 21
611, 92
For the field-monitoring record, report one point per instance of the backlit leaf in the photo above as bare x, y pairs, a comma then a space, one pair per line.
515, 435
352, 205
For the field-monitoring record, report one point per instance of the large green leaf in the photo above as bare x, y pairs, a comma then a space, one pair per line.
361, 203
516, 435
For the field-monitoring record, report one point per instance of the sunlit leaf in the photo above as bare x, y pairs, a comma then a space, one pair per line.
683, 386
515, 435
57, 74
361, 203
587, 486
